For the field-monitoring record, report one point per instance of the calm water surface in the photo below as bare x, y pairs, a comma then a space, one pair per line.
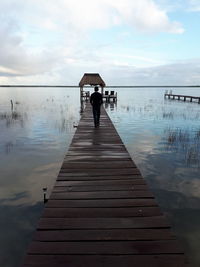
162, 136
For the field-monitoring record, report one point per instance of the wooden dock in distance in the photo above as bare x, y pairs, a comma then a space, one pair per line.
101, 212
183, 97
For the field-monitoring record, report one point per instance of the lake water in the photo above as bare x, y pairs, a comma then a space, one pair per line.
162, 136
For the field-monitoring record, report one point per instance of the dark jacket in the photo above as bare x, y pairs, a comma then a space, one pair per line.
96, 99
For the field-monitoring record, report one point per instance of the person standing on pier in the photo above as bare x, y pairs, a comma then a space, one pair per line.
96, 101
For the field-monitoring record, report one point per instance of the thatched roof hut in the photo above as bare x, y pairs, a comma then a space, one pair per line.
92, 79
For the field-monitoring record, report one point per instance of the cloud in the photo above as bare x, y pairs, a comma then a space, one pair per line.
41, 39
194, 5
18, 60
146, 16
180, 73
143, 15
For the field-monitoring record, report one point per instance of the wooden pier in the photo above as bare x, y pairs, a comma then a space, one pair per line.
183, 97
101, 212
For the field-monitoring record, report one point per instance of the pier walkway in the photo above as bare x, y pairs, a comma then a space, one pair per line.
101, 212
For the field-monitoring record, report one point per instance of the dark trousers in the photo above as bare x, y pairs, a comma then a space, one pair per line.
96, 114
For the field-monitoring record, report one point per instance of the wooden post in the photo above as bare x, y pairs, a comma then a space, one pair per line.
81, 99
11, 105
81, 93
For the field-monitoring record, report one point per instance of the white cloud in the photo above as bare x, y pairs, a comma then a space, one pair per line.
143, 15
146, 16
16, 58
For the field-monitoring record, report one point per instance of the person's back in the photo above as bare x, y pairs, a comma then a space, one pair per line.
96, 100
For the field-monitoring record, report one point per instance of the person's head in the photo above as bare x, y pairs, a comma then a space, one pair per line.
96, 88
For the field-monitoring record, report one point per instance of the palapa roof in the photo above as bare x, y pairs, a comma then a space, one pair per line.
92, 79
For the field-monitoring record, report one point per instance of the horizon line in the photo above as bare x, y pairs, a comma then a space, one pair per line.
88, 86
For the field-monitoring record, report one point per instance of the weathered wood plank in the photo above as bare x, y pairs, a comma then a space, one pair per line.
106, 248
105, 260
87, 158
98, 172
102, 182
101, 212
102, 195
98, 153
95, 177
103, 223
98, 165
86, 203
111, 234
113, 187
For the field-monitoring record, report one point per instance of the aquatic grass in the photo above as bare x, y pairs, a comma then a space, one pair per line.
168, 115
184, 142
13, 117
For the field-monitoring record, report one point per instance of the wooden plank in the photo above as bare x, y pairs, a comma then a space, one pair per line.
106, 248
86, 203
123, 181
172, 260
103, 223
101, 212
98, 172
98, 165
102, 195
95, 177
98, 153
98, 144
99, 148
112, 187
87, 158
104, 235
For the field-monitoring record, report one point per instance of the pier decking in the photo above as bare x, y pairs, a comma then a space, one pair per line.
101, 212
183, 97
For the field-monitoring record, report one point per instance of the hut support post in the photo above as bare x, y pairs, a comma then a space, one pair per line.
81, 99
81, 93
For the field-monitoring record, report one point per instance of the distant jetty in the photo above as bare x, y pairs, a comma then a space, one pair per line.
182, 97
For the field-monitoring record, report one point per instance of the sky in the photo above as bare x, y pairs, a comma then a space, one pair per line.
128, 42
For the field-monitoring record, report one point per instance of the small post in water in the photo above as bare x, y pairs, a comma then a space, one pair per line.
11, 104
45, 191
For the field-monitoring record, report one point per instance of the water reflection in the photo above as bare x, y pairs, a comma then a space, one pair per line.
180, 210
168, 115
18, 223
36, 130
110, 106
8, 147
186, 142
13, 117
163, 139
161, 136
